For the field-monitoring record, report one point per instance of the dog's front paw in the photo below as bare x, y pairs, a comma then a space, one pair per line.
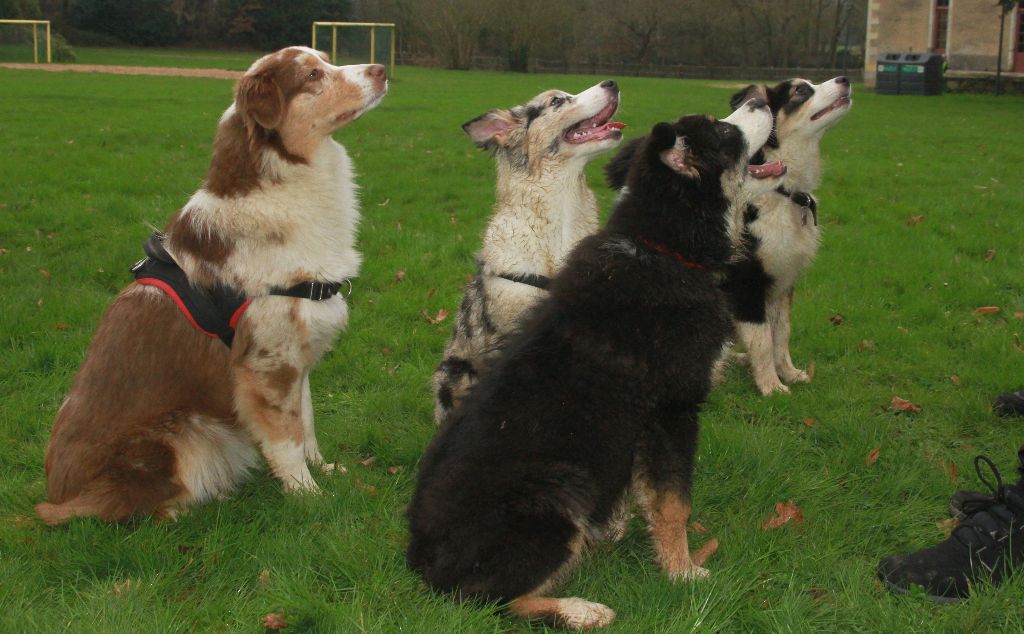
767, 388
295, 485
690, 573
333, 467
795, 375
579, 614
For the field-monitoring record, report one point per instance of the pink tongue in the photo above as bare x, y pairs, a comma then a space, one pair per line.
616, 125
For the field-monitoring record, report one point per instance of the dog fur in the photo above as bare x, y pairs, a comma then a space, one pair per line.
780, 235
598, 394
161, 416
543, 209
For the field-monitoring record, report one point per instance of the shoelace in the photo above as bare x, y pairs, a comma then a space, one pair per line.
989, 521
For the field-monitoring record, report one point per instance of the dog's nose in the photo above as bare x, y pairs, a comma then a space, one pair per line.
375, 71
757, 103
842, 79
609, 83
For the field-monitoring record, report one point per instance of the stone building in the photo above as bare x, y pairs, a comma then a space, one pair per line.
965, 31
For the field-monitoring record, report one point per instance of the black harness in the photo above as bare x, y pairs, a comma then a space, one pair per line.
802, 199
214, 311
530, 279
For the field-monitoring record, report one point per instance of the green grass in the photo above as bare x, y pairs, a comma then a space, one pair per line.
91, 161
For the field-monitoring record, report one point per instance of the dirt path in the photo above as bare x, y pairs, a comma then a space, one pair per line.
214, 73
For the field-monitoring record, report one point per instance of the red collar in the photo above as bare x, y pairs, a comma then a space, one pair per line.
661, 248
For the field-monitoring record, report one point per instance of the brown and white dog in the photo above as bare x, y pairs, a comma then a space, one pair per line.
161, 415
780, 227
544, 207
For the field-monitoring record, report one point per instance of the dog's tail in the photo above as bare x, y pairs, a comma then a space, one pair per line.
86, 504
471, 338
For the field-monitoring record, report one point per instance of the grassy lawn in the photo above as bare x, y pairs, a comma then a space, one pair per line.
91, 161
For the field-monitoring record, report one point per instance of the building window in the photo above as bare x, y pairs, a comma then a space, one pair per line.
940, 26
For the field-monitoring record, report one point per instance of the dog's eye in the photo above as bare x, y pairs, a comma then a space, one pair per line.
313, 74
804, 90
557, 101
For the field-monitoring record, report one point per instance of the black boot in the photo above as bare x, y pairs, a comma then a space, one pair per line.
1009, 404
987, 546
971, 499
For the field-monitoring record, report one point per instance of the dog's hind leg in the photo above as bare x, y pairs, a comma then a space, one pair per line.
779, 315
664, 471
757, 338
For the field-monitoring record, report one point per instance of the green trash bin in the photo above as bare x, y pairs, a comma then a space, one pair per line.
887, 74
921, 74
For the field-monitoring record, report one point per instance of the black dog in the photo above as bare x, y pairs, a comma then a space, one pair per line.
600, 390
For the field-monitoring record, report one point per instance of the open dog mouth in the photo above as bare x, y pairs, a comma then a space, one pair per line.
835, 105
596, 127
774, 169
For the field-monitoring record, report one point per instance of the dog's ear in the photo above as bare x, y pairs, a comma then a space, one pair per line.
259, 98
662, 137
670, 149
617, 169
491, 129
748, 93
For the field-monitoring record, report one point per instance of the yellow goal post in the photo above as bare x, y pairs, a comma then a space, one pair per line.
372, 26
35, 37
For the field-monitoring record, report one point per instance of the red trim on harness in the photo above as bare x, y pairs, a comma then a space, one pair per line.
170, 292
661, 248
238, 313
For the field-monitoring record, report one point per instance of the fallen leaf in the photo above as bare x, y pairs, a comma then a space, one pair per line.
915, 219
385, 351
784, 513
385, 203
697, 527
955, 379
986, 310
903, 330
1019, 314
431, 291
399, 276
62, 326
394, 470
872, 456
398, 225
264, 577
369, 488
123, 588
441, 316
809, 422
902, 405
811, 370
274, 622
865, 344
953, 473
947, 525
369, 461
45, 273
1017, 343
3, 251
452, 219
991, 253
837, 319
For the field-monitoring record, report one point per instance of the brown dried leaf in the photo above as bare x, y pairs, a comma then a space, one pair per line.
991, 253
872, 456
398, 225
394, 470
837, 319
62, 326
1018, 315
385, 203
399, 276
947, 525
809, 422
369, 461
903, 405
955, 379
986, 310
3, 251
1016, 342
264, 577
784, 513
441, 316
369, 488
123, 588
431, 291
698, 558
915, 219
811, 370
865, 344
697, 527
45, 273
274, 622
953, 473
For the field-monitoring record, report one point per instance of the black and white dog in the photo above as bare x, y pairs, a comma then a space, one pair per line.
780, 228
599, 392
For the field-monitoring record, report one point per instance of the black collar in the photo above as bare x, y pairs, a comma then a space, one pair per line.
802, 199
530, 279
